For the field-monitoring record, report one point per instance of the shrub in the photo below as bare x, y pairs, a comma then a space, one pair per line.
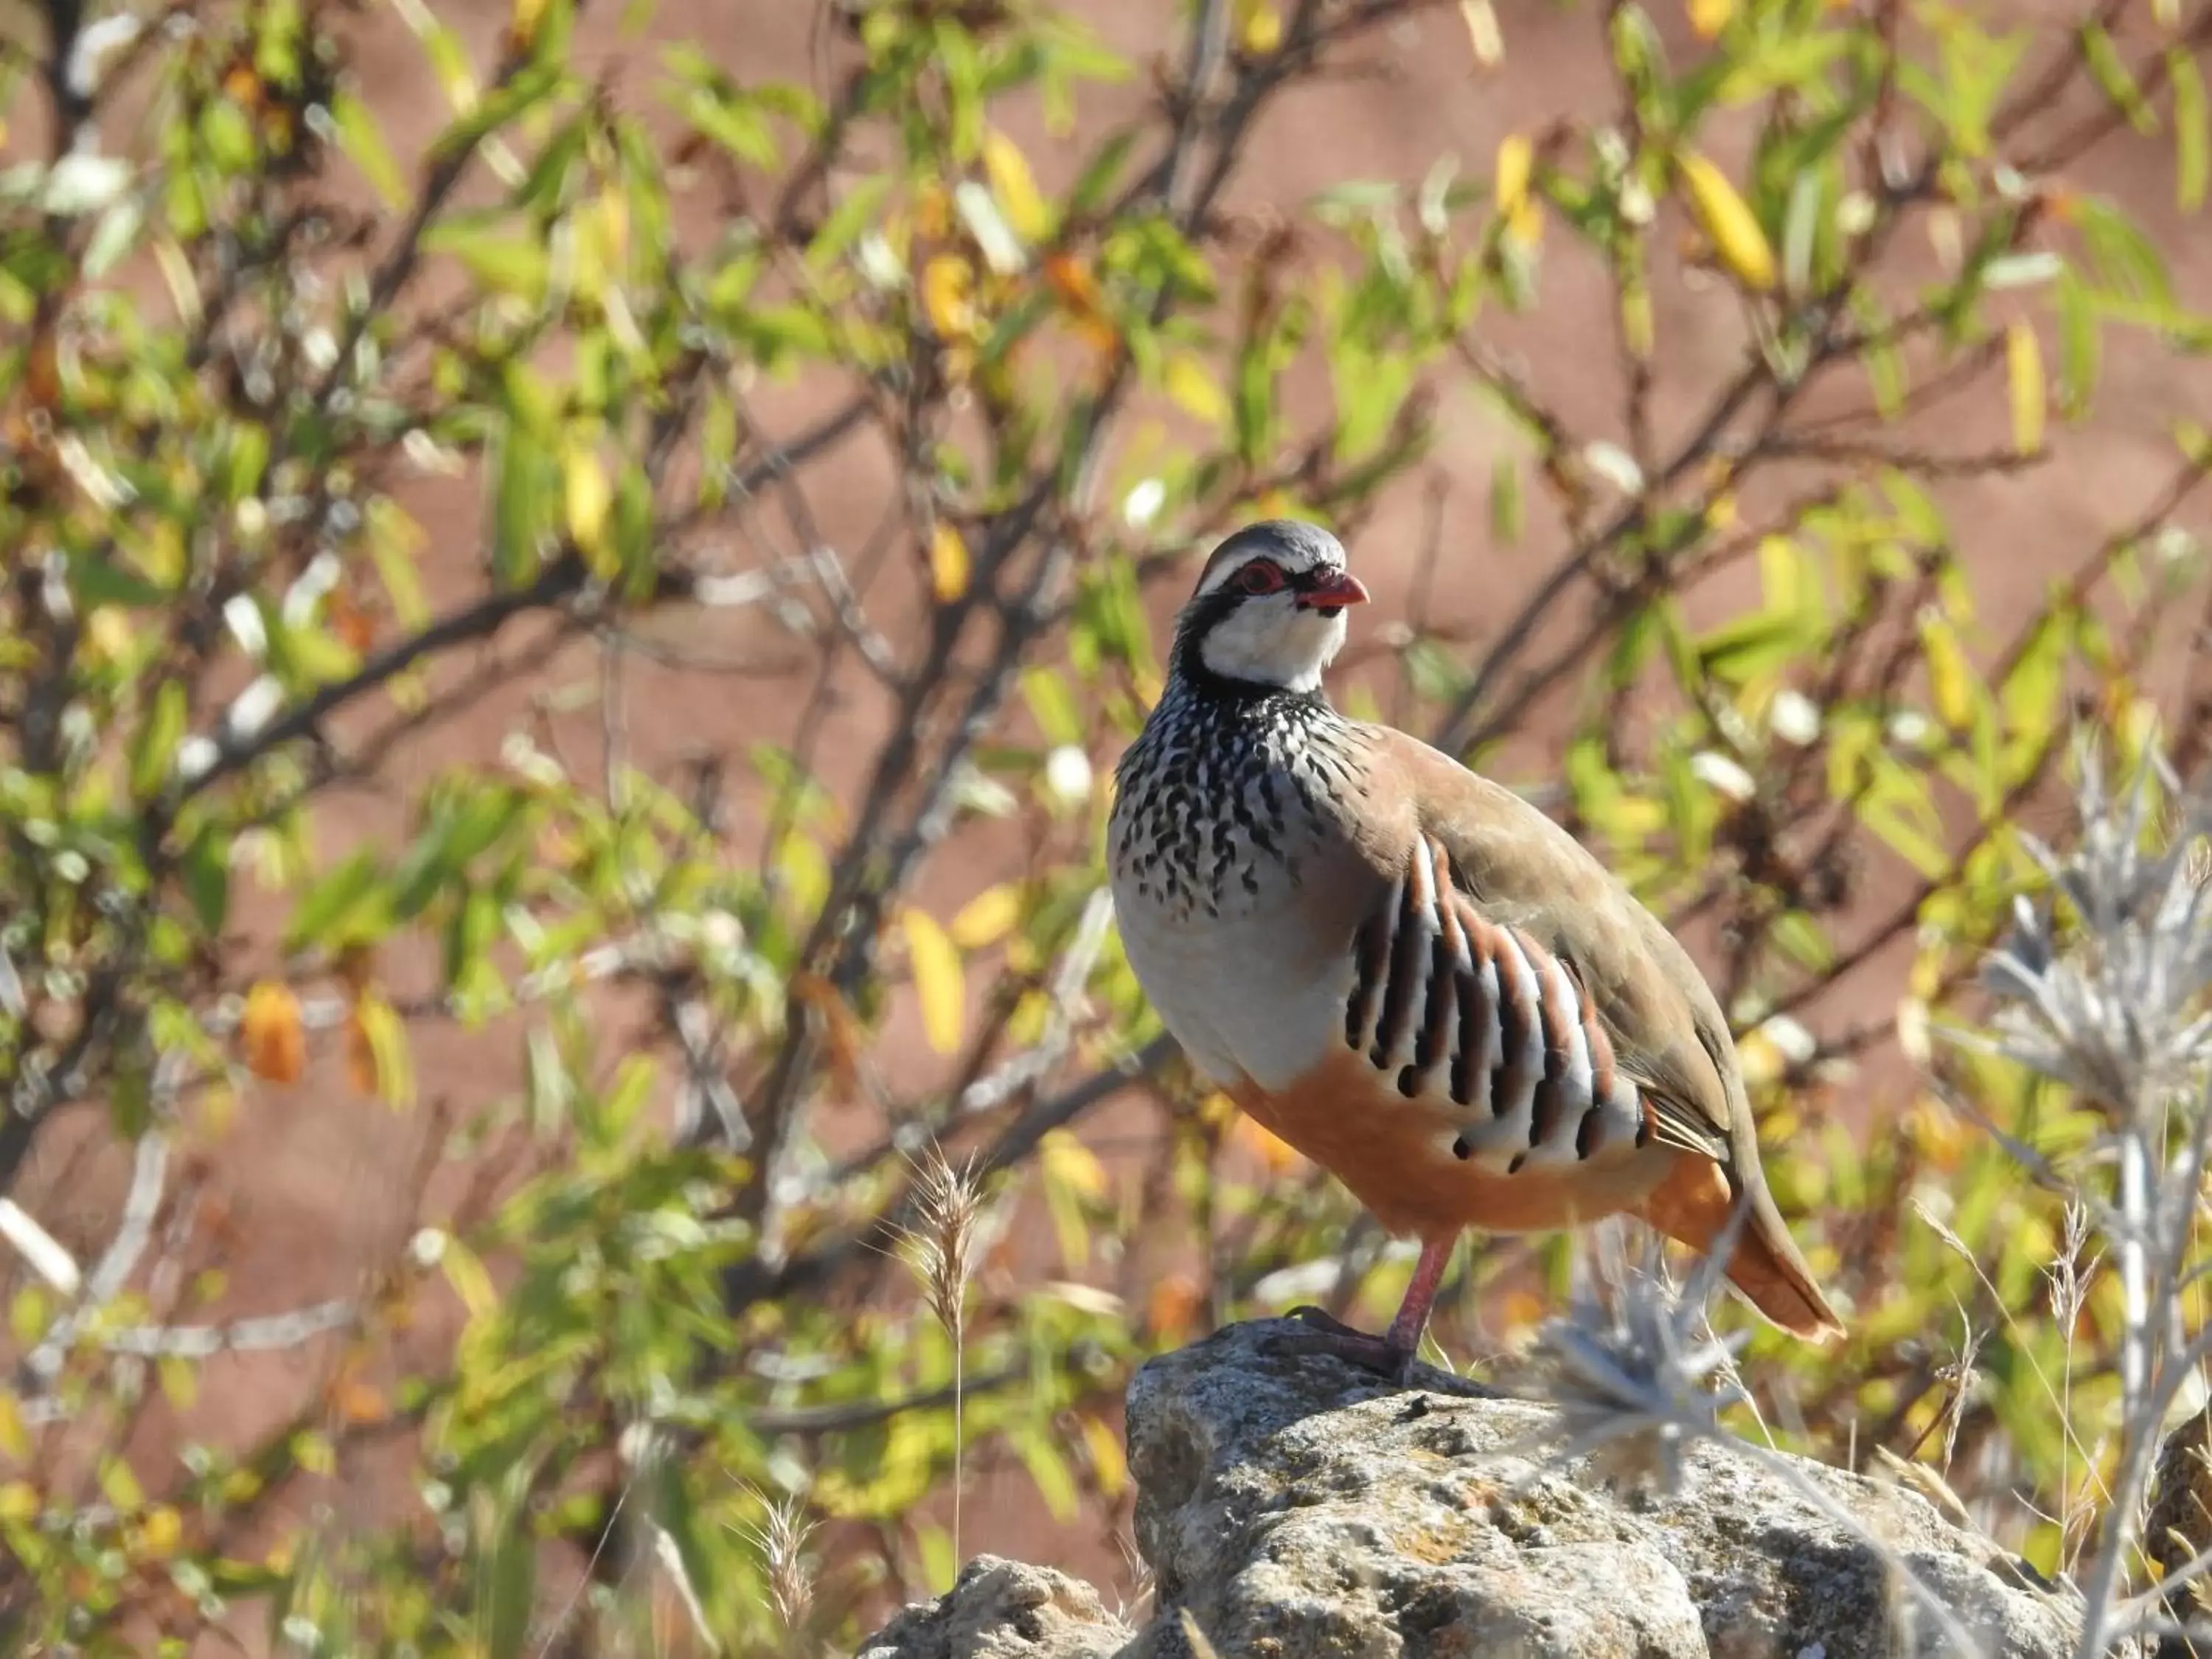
880, 404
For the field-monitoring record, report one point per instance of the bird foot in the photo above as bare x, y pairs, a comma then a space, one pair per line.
1375, 1353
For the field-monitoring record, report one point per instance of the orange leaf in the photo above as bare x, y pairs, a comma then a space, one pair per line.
1521, 1311
359, 1057
1174, 1306
1069, 279
1276, 1155
276, 1043
355, 1401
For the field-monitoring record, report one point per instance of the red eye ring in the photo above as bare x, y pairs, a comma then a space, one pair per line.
1260, 576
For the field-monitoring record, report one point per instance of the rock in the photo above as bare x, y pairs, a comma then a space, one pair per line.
1295, 1507
1000, 1609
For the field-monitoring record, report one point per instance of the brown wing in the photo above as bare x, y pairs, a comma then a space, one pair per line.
1525, 872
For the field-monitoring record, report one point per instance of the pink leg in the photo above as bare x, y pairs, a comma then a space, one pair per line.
1405, 1334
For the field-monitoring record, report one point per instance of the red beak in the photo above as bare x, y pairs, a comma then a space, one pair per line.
1333, 591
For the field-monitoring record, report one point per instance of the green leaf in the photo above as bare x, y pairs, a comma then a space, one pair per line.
1751, 645
2079, 345
530, 86
504, 261
362, 140
863, 200
2111, 73
1055, 1479
339, 905
1507, 515
205, 873
1052, 705
155, 753
2192, 148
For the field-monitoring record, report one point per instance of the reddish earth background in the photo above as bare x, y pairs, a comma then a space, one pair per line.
313, 1186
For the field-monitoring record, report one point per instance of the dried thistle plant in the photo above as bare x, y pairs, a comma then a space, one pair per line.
1634, 1368
940, 1245
2113, 1010
2102, 989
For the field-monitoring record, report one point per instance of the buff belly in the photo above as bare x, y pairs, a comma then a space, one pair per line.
1395, 1155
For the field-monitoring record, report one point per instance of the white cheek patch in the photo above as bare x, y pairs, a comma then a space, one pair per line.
1273, 643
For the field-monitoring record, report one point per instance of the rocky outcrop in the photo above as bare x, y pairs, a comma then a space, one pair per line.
1004, 1610
1293, 1507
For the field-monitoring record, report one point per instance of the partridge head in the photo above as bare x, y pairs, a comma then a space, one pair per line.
1409, 973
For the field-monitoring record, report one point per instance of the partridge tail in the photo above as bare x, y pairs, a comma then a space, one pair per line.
1693, 1205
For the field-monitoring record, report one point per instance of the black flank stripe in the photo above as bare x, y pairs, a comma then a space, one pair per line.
1398, 987
1373, 953
1513, 1017
1428, 1041
1586, 1133
1473, 1017
1448, 994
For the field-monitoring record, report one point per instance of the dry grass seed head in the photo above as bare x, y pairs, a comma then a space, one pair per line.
940, 1243
781, 1536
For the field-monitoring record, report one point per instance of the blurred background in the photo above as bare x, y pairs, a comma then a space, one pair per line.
576, 577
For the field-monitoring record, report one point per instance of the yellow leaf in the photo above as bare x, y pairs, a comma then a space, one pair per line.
1107, 1465
527, 16
161, 1533
1190, 384
1482, 32
1710, 17
989, 917
464, 1272
1729, 220
1639, 329
1015, 186
107, 631
1758, 1058
1523, 214
1067, 1161
313, 1453
587, 496
1517, 160
14, 1437
376, 1051
947, 283
2024, 369
1950, 680
275, 1041
19, 1501
948, 563
1259, 27
937, 979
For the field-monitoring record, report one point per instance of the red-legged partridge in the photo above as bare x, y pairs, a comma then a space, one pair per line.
1409, 973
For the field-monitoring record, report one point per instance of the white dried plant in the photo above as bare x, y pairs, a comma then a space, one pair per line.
2102, 986
1633, 1370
